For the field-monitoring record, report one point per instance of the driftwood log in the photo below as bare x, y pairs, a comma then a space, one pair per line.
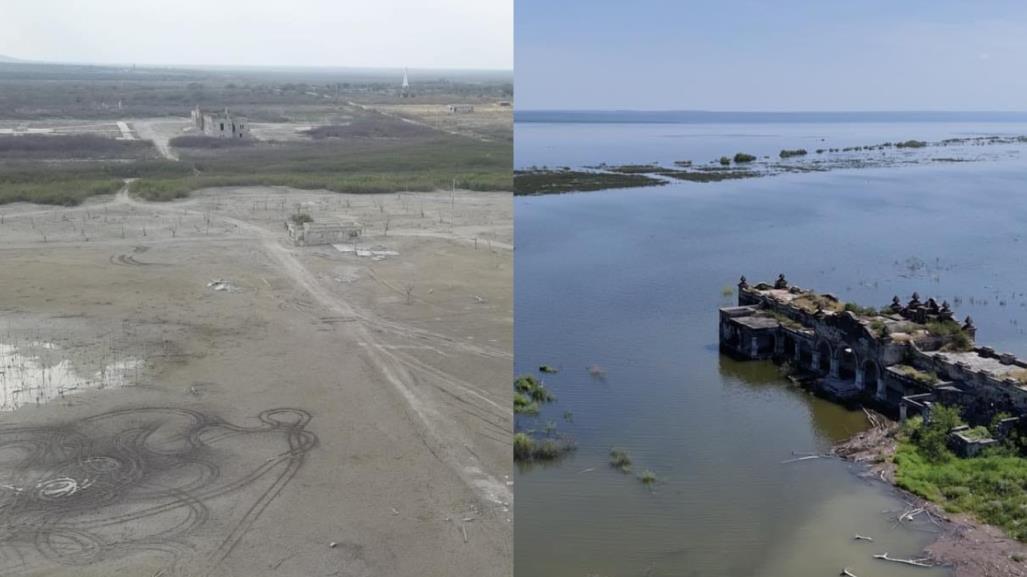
913, 562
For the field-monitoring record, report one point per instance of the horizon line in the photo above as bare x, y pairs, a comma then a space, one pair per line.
21, 61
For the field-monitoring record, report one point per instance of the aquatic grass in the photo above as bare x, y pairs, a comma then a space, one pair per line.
648, 478
533, 388
619, 459
526, 448
524, 405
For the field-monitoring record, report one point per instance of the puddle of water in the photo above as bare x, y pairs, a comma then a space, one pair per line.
39, 372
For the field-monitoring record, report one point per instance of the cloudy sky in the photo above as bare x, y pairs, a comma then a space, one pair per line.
785, 55
365, 33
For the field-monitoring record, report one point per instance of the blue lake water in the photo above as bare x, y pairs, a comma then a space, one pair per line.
630, 280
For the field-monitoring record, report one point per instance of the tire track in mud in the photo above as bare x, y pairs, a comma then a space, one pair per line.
74, 490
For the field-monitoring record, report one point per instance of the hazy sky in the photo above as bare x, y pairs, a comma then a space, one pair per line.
372, 33
776, 55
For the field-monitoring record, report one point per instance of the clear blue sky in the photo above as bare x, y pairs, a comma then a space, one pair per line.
775, 55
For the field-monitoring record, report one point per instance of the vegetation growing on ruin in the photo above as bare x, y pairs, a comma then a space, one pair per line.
990, 486
956, 339
811, 301
785, 320
861, 311
921, 377
742, 157
879, 327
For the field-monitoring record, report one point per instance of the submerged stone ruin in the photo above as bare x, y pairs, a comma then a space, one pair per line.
902, 359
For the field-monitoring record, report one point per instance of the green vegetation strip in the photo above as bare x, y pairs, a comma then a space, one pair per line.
544, 181
371, 166
992, 487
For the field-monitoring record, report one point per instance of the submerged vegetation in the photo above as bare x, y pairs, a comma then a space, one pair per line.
542, 180
620, 460
794, 152
529, 394
527, 448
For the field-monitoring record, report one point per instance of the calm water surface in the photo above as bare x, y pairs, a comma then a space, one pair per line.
631, 280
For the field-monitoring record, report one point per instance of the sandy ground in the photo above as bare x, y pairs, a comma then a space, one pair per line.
969, 547
322, 414
484, 123
160, 131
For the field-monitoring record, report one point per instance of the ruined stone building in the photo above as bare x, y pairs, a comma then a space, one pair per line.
902, 358
221, 124
321, 233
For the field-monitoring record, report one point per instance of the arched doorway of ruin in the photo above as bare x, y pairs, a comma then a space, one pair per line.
805, 354
847, 363
871, 376
789, 347
822, 357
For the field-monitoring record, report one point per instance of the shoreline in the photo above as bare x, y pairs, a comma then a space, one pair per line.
968, 547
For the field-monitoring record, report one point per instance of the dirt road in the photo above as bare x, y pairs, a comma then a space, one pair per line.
160, 132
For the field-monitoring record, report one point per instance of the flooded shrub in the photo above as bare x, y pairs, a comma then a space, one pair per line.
619, 459
533, 388
725, 161
794, 152
648, 478
743, 157
523, 447
527, 448
523, 405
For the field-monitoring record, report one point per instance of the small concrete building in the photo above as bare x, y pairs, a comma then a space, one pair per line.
221, 124
461, 108
321, 233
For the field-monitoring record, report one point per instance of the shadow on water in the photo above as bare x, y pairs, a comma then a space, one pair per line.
832, 422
